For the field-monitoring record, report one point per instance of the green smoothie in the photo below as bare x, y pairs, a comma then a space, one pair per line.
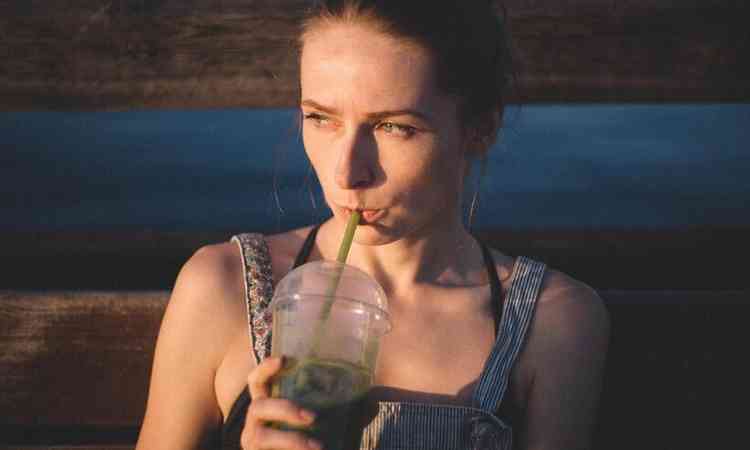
328, 319
335, 390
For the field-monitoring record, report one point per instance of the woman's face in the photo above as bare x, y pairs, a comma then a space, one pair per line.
380, 135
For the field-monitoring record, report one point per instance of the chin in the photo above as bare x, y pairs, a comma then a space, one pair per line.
384, 233
371, 235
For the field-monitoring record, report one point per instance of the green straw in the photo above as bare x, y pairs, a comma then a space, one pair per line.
346, 242
325, 313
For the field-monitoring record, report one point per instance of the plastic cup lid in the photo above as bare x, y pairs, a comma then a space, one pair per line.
316, 278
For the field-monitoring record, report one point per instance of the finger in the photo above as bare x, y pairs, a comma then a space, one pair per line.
259, 377
279, 410
268, 438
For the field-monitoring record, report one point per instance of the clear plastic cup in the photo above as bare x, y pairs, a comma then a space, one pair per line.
329, 339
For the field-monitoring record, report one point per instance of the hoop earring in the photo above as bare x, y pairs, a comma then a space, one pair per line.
308, 185
475, 197
473, 207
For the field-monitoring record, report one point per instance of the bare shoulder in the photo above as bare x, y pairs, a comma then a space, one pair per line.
570, 305
570, 327
561, 366
564, 303
215, 266
209, 290
203, 316
212, 280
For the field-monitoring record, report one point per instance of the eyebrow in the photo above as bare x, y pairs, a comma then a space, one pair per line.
374, 115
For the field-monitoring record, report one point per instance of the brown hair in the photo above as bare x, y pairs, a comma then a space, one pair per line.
467, 38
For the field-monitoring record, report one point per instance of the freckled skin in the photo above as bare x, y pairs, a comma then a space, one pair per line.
417, 178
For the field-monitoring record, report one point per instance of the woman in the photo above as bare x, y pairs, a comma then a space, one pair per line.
397, 97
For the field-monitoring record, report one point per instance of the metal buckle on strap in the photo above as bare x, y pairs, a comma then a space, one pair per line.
487, 432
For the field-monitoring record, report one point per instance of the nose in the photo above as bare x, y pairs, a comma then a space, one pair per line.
354, 168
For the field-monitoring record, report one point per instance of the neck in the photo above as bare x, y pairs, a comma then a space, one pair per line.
443, 254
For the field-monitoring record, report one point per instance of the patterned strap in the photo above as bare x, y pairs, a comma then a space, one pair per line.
517, 314
256, 263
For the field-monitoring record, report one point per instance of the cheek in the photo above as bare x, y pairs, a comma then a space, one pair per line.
433, 179
446, 163
314, 150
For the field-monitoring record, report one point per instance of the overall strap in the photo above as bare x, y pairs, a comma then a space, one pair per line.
256, 264
518, 312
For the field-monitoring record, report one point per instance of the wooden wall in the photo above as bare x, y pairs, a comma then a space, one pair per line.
125, 54
695, 259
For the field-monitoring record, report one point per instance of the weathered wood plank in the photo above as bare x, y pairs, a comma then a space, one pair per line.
72, 358
55, 437
126, 54
74, 366
630, 259
68, 447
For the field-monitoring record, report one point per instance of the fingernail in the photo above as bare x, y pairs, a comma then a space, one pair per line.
308, 416
313, 444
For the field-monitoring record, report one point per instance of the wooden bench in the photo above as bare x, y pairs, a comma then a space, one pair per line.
74, 368
74, 363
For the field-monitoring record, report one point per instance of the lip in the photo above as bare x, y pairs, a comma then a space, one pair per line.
367, 216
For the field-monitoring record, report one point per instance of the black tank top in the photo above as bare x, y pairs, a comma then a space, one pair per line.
232, 428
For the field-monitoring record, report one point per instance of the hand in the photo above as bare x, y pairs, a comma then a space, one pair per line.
257, 435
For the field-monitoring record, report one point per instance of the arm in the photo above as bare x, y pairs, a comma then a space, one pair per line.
566, 352
182, 411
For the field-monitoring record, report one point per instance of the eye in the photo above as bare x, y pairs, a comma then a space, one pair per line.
398, 130
317, 119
